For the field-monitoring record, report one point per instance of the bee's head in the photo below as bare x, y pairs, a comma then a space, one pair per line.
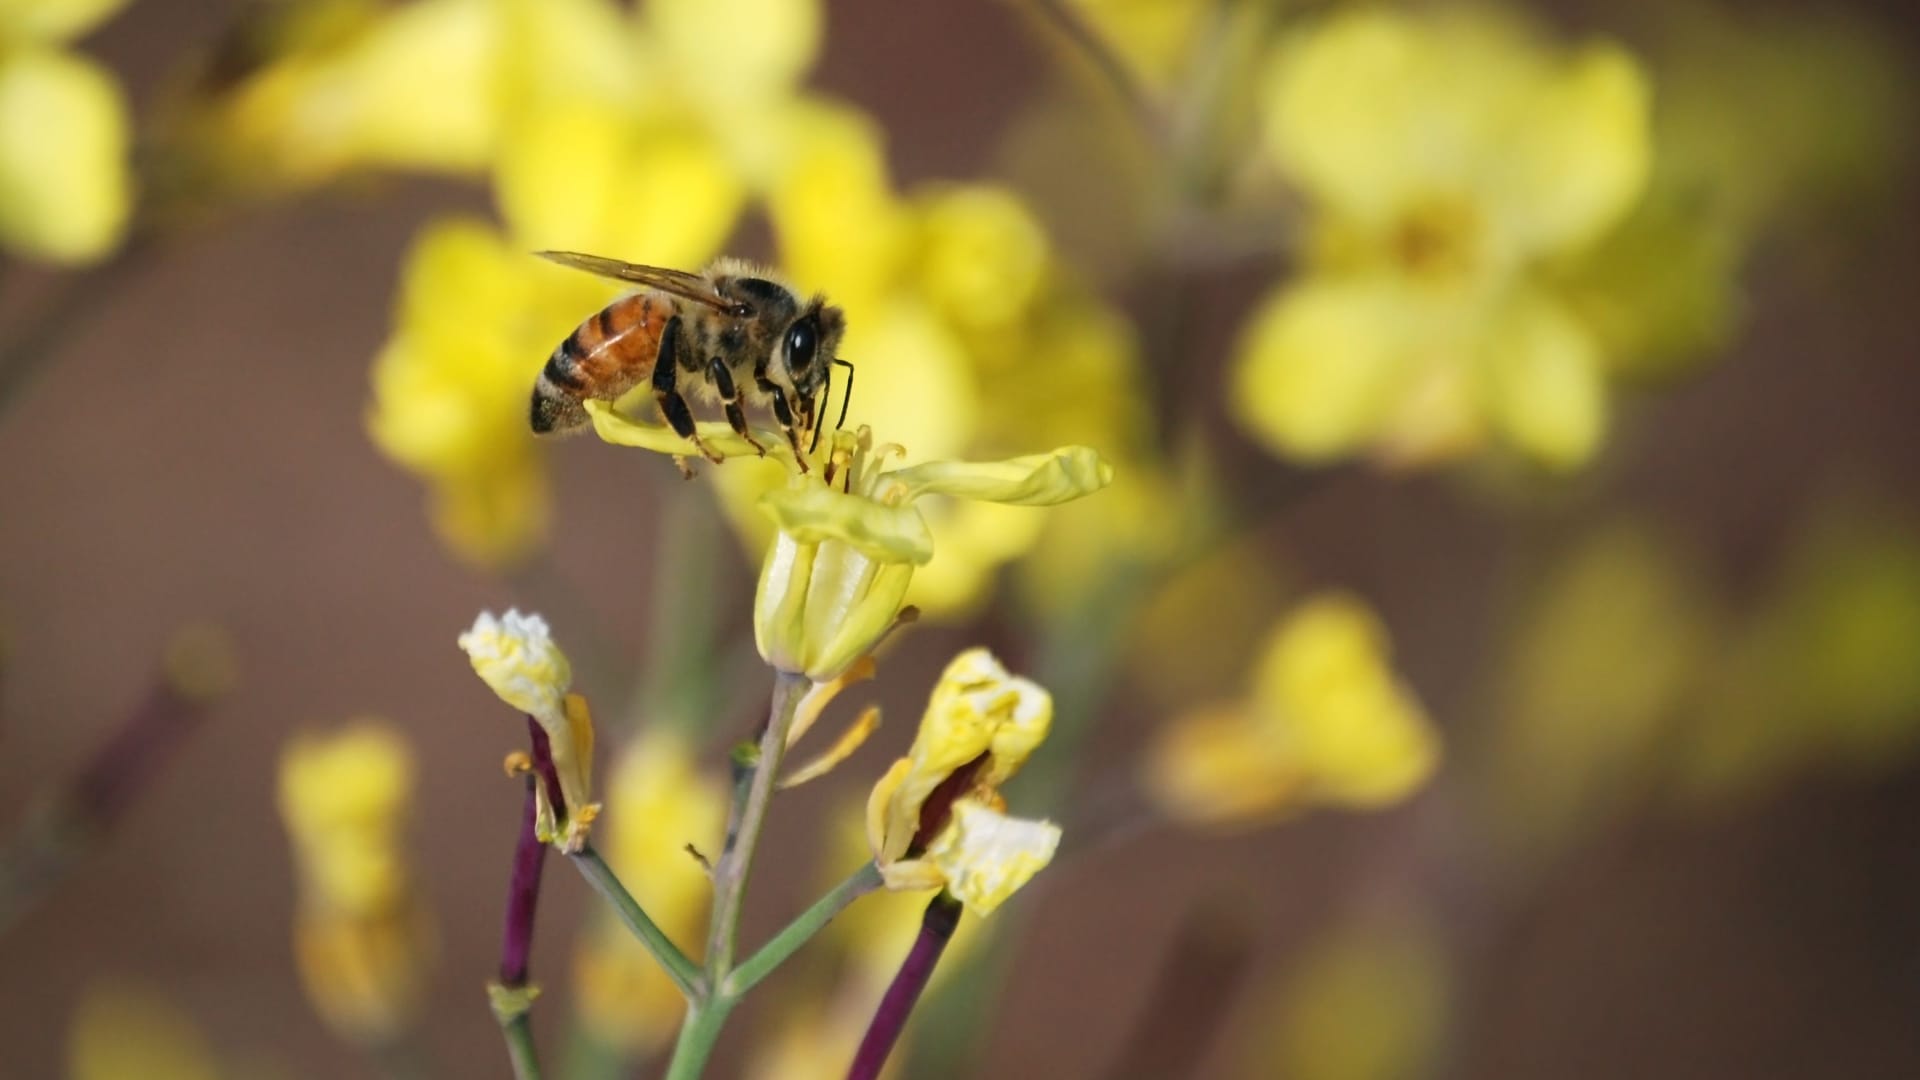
809, 345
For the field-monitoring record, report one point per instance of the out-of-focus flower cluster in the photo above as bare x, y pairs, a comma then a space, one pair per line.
363, 937
65, 188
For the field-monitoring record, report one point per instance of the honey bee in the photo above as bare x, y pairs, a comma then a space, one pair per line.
729, 333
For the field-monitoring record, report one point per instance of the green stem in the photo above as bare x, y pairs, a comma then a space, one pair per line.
519, 1035
801, 930
730, 875
681, 970
753, 794
698, 1034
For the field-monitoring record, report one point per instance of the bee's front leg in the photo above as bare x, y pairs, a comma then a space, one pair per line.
781, 412
730, 397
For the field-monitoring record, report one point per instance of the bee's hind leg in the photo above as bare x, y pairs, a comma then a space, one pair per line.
672, 406
730, 397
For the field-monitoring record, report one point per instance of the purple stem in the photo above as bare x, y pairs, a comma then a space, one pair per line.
116, 774
890, 1019
523, 894
543, 765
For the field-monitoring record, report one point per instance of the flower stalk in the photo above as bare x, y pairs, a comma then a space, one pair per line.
513, 995
890, 1019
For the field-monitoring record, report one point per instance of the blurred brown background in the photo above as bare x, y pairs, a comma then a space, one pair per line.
198, 450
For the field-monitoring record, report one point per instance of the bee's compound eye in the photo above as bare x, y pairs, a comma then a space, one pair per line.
801, 343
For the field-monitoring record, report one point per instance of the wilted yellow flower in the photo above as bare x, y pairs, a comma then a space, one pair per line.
1328, 723
516, 657
64, 184
934, 819
657, 804
362, 937
124, 1031
1455, 164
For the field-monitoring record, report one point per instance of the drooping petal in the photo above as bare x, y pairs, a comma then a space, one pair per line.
63, 157
1063, 475
987, 856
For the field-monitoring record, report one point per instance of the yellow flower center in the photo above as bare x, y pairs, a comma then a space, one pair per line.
1439, 240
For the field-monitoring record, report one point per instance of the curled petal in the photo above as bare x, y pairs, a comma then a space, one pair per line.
985, 856
1063, 475
887, 533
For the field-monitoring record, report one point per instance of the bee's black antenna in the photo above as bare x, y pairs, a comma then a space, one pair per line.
846, 399
826, 392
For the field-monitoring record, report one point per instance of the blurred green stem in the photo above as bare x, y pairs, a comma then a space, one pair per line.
56, 322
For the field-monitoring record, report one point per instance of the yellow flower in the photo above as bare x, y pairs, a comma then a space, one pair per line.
64, 185
934, 820
657, 804
836, 576
954, 300
363, 938
516, 657
1327, 723
1454, 164
475, 320
120, 1031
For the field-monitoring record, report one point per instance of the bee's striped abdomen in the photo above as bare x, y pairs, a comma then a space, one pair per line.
602, 358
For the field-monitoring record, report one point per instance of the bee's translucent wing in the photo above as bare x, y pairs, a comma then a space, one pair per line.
678, 282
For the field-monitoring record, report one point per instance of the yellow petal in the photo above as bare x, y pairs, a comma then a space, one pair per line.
1216, 766
646, 187
419, 91
987, 856
63, 157
616, 427
1067, 473
839, 226
1327, 695
343, 797
1322, 365
1580, 152
1545, 381
984, 256
735, 54
515, 655
813, 513
493, 518
850, 740
1342, 99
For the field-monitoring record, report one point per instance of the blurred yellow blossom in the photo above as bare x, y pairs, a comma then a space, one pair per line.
516, 657
1600, 663
65, 189
125, 1031
1367, 1001
475, 320
1452, 162
1328, 723
1823, 673
362, 936
934, 820
657, 804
